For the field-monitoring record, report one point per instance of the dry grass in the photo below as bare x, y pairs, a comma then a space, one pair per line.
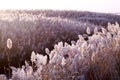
94, 59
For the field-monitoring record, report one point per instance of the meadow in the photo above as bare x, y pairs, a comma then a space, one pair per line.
50, 45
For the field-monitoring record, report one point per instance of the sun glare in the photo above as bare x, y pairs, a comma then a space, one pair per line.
85, 5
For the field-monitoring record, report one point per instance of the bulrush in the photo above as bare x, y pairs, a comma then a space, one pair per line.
9, 43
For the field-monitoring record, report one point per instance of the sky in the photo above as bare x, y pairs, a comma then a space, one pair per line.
106, 6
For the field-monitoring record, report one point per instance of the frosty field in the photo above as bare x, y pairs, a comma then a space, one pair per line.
63, 45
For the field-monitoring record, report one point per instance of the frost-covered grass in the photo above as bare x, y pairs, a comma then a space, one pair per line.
94, 59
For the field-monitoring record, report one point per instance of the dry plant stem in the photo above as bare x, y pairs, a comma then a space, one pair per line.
8, 59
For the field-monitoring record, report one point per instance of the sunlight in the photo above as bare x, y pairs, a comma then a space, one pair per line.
85, 5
